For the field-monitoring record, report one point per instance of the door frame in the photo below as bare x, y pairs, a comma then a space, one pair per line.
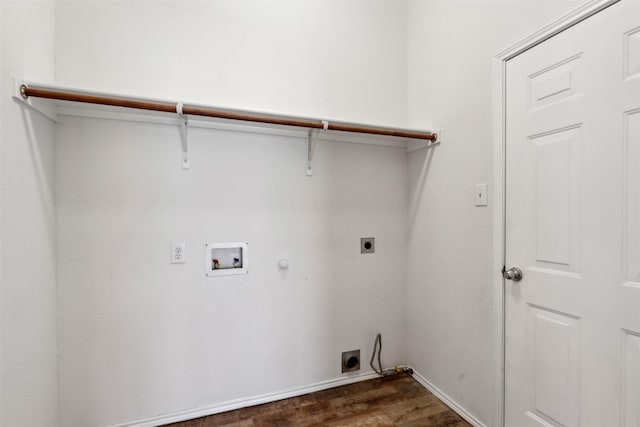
574, 17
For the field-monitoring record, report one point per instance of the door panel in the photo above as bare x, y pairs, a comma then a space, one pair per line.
554, 357
555, 83
573, 226
631, 379
556, 160
632, 53
632, 198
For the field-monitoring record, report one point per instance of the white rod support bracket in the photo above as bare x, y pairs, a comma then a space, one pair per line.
311, 147
419, 144
438, 139
43, 107
184, 136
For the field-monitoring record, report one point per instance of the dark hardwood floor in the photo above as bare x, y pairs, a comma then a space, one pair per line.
391, 401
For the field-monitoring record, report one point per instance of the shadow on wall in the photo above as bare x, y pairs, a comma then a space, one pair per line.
36, 133
415, 197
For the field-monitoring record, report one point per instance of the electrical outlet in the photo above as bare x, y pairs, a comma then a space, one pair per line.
367, 245
178, 253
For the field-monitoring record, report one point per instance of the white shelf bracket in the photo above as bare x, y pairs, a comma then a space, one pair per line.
311, 147
184, 136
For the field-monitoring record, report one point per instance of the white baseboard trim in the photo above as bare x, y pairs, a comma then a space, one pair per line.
447, 400
203, 411
216, 408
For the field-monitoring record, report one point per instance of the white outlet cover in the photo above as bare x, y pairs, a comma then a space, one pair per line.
178, 253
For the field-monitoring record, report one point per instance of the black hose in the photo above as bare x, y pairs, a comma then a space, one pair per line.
377, 347
378, 342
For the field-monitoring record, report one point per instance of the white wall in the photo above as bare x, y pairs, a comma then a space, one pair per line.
449, 313
331, 59
138, 336
28, 391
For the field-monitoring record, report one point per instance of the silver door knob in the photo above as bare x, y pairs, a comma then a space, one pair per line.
514, 273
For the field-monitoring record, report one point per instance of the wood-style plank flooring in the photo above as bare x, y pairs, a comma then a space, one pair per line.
390, 401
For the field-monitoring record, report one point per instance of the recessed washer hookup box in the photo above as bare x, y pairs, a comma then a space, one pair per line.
224, 259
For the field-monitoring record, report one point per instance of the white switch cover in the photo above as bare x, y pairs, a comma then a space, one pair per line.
480, 197
178, 253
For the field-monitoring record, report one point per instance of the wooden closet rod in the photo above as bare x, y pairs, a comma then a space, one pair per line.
167, 107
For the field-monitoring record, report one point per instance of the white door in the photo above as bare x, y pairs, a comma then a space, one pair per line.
572, 324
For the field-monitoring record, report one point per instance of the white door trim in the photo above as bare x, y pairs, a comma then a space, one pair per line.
499, 144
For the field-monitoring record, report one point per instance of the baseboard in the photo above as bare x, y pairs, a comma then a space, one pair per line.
204, 411
448, 401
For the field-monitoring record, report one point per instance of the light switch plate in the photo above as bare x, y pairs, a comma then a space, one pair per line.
480, 196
